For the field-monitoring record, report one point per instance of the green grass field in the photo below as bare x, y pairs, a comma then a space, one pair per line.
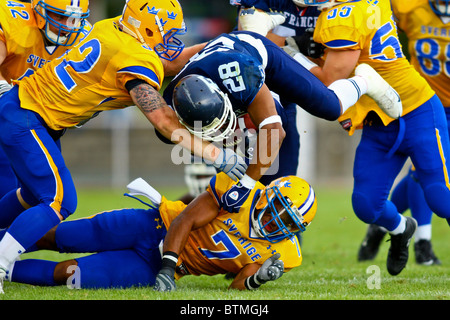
329, 270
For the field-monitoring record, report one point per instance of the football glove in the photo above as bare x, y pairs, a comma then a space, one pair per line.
272, 269
4, 87
259, 21
234, 198
164, 282
230, 163
165, 278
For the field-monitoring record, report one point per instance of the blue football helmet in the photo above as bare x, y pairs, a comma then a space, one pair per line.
203, 108
65, 16
286, 206
440, 7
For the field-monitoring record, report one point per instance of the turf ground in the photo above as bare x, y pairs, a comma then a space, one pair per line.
329, 270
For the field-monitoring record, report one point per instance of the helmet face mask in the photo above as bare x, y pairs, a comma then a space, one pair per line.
285, 207
204, 109
61, 21
156, 25
197, 177
440, 7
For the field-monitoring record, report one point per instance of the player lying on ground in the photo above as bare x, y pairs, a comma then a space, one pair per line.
257, 243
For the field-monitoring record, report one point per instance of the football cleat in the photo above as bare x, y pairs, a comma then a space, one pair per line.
371, 243
399, 251
424, 253
379, 90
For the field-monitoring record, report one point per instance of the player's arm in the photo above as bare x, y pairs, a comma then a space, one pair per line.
252, 276
164, 119
339, 64
171, 68
197, 214
4, 85
264, 115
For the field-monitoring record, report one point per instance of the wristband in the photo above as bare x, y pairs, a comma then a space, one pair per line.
270, 120
252, 282
247, 182
304, 61
169, 260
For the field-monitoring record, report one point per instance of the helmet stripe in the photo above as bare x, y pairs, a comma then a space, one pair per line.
308, 203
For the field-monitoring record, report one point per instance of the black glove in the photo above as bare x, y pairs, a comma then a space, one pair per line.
307, 46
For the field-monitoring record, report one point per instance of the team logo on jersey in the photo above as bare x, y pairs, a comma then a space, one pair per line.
234, 195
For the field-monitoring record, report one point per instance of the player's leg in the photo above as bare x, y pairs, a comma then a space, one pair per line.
138, 229
422, 213
40, 168
8, 179
374, 173
429, 152
110, 269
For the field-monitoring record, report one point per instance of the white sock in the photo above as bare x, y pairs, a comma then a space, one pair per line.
10, 250
400, 228
423, 233
349, 90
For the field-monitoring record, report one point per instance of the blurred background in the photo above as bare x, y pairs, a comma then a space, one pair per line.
119, 146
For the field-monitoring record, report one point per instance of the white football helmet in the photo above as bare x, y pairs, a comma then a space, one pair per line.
197, 177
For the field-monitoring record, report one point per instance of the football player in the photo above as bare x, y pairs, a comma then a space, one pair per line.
364, 32
118, 64
261, 16
426, 25
236, 74
31, 34
201, 239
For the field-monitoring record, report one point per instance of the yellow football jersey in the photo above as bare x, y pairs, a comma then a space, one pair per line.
25, 47
228, 243
90, 77
429, 43
369, 26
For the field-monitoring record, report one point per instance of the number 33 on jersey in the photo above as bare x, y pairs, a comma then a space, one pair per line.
369, 26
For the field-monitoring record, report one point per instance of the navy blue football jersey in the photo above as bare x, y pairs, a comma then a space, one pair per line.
298, 19
234, 65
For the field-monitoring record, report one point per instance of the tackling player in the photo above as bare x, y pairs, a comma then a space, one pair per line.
118, 64
364, 32
201, 239
234, 75
32, 34
427, 26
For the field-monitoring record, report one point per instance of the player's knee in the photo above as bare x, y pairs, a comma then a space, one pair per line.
364, 208
48, 242
64, 270
438, 199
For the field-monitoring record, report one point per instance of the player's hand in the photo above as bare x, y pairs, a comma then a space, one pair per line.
230, 163
259, 21
234, 198
305, 44
4, 87
164, 282
272, 269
